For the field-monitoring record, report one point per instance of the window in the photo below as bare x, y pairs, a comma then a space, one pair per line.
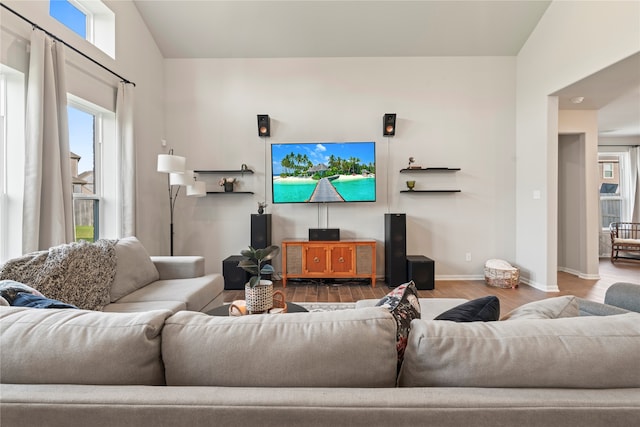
613, 188
94, 169
82, 144
71, 14
607, 170
90, 19
12, 115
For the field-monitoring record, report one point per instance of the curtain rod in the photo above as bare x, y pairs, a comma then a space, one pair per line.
66, 44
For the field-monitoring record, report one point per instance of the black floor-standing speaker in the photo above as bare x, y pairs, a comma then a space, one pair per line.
395, 249
260, 230
261, 234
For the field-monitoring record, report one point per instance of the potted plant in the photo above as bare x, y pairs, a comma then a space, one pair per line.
258, 292
227, 183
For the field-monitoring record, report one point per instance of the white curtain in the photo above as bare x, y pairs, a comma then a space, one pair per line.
127, 160
634, 200
48, 206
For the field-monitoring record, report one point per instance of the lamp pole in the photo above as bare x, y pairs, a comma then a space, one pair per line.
172, 203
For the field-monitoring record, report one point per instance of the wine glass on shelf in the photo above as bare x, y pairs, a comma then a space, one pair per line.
411, 185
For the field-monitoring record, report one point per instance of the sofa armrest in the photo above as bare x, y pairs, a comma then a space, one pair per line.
592, 308
624, 295
179, 267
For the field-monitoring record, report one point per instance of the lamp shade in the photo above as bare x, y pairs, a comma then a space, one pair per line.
197, 189
168, 163
185, 178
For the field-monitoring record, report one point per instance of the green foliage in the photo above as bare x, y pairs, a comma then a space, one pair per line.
84, 232
254, 262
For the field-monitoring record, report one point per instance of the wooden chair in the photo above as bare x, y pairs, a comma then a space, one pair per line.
625, 237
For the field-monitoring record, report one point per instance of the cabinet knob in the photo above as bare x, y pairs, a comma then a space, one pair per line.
316, 259
340, 259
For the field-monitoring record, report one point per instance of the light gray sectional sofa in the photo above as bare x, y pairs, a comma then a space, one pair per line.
541, 367
118, 276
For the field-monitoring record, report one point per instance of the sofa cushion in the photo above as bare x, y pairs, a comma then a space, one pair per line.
485, 309
402, 302
575, 352
549, 308
134, 268
196, 293
345, 348
80, 347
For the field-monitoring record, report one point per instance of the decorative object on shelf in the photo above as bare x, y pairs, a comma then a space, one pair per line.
244, 167
411, 165
258, 293
261, 207
411, 185
178, 176
227, 183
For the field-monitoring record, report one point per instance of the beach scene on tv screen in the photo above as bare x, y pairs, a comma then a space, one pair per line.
324, 172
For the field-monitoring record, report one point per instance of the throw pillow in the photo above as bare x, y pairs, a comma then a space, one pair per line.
9, 290
485, 309
550, 308
34, 301
404, 305
134, 268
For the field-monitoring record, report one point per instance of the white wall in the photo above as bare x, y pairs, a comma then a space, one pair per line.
583, 214
573, 40
455, 112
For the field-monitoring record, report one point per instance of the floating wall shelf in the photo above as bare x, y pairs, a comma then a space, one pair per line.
229, 192
430, 191
232, 171
430, 170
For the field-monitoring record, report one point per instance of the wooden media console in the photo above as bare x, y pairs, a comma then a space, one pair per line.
328, 259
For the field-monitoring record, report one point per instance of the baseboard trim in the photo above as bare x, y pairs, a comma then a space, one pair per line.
465, 277
580, 274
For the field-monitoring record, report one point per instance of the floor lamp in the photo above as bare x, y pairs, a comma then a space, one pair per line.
177, 177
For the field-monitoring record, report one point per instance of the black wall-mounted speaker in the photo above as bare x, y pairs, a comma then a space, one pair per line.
326, 234
264, 125
421, 270
389, 124
234, 277
260, 231
395, 249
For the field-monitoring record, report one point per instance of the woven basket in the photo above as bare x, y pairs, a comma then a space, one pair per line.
501, 274
259, 298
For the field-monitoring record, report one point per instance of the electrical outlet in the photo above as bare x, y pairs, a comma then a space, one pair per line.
467, 256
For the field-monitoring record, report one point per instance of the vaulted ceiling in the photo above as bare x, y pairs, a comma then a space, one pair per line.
364, 28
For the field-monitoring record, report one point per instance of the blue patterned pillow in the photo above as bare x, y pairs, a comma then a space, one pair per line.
403, 304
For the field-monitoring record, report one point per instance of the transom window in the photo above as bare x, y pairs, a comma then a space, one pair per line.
90, 19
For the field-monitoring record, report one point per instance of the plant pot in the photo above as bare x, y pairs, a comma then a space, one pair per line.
228, 187
259, 299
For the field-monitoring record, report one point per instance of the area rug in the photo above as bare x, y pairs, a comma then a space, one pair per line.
327, 306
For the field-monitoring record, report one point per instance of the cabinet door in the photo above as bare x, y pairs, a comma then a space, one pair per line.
315, 258
342, 259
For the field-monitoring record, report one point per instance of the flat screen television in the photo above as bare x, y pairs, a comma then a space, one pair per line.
323, 172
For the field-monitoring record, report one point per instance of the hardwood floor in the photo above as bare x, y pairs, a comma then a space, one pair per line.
594, 290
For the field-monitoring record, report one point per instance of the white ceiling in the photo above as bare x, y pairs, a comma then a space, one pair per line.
378, 28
